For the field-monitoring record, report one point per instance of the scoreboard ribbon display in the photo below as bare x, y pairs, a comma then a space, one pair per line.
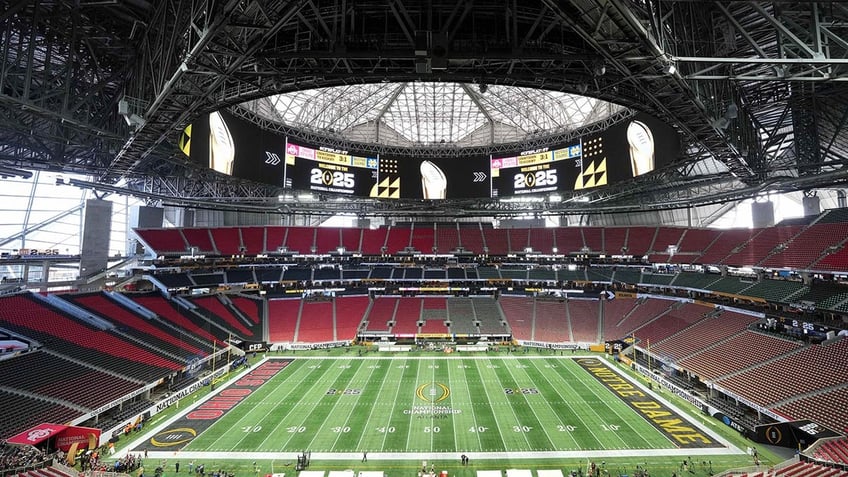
538, 171
323, 170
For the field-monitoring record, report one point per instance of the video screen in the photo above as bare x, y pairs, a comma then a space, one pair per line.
322, 169
230, 145
235, 147
434, 178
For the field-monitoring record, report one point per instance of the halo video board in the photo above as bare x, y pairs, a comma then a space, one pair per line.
228, 144
625, 150
235, 147
433, 178
324, 169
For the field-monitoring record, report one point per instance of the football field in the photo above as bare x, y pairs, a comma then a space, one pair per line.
479, 404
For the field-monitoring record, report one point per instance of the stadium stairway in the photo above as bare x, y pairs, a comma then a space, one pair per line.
601, 307
568, 323
297, 322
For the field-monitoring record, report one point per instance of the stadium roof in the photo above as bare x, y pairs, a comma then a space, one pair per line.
422, 113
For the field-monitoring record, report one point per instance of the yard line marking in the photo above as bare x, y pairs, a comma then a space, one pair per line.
412, 416
541, 424
371, 412
338, 400
353, 408
300, 404
567, 402
501, 387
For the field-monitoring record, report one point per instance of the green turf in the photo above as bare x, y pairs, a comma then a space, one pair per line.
504, 405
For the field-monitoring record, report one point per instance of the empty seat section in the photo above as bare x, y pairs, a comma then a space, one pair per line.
584, 316
616, 312
835, 450
693, 243
627, 275
593, 238
775, 290
729, 284
497, 241
253, 239
407, 315
18, 413
551, 321
267, 275
398, 239
639, 240
227, 240
680, 316
249, 307
226, 318
163, 241
327, 239
424, 238
57, 378
435, 274
568, 240
316, 322
447, 238
645, 311
837, 260
70, 337
297, 274
615, 239
355, 274
300, 239
542, 240
471, 238
434, 326
326, 274
282, 319
174, 280
461, 312
519, 239
162, 307
666, 238
158, 334
704, 333
351, 239
373, 241
599, 274
789, 375
488, 315
695, 280
739, 352
208, 279
381, 313
761, 245
350, 311
434, 313
723, 245
275, 237
200, 239
809, 245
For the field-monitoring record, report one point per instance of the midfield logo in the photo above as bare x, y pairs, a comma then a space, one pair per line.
432, 392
